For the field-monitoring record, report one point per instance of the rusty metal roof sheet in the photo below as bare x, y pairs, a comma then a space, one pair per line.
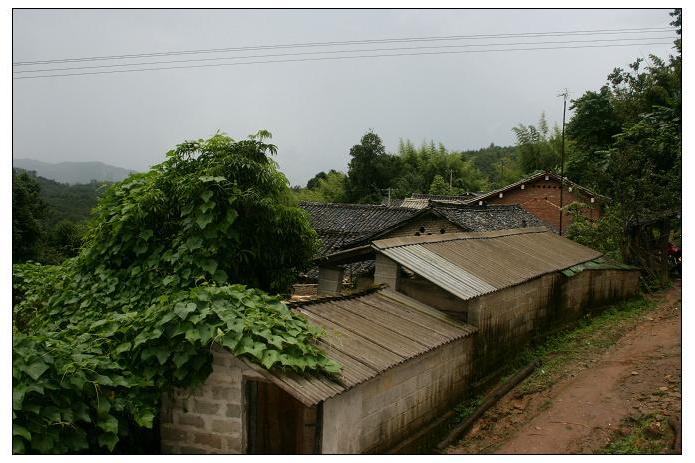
367, 333
469, 265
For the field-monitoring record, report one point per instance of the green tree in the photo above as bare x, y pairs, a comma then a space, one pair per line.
209, 183
639, 167
439, 186
370, 170
326, 188
506, 170
592, 128
420, 166
28, 211
314, 181
63, 240
540, 148
100, 338
498, 164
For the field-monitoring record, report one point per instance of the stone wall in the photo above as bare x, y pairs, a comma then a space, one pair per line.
209, 419
378, 414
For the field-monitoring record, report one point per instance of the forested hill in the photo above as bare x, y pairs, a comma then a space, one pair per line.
74, 172
67, 202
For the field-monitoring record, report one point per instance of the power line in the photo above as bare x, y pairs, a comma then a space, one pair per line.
118, 71
148, 63
348, 42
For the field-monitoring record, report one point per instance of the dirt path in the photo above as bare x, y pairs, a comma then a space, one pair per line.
639, 376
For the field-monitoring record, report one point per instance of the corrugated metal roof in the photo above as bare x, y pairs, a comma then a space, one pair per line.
367, 334
469, 265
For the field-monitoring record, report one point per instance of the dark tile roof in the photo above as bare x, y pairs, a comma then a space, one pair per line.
489, 218
338, 225
467, 195
342, 226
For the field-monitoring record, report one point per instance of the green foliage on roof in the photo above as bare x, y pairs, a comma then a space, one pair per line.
164, 275
597, 264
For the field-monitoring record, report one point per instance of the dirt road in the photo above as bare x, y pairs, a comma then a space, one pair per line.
638, 377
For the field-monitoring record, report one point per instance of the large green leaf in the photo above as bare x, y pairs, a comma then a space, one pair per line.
18, 430
108, 440
36, 369
108, 423
183, 309
203, 220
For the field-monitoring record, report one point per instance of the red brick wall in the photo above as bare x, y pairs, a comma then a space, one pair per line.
542, 199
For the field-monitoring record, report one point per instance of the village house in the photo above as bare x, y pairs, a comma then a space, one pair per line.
443, 310
403, 365
540, 195
513, 285
341, 226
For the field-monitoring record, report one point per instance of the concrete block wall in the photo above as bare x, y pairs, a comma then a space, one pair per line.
378, 414
386, 271
592, 289
428, 293
510, 318
330, 281
208, 419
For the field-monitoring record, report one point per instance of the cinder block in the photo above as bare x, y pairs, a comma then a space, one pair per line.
233, 410
227, 426
189, 419
227, 392
170, 433
205, 407
209, 440
232, 444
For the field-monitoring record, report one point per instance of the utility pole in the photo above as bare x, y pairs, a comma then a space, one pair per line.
562, 157
451, 178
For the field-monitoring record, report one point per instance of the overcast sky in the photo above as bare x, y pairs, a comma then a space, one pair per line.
315, 110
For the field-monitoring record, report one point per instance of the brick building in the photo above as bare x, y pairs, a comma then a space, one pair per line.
540, 195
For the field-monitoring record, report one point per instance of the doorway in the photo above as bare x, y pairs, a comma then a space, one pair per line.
277, 423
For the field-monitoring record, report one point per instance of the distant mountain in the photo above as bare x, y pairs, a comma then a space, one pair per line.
74, 172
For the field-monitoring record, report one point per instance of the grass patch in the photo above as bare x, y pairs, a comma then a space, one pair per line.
564, 351
648, 434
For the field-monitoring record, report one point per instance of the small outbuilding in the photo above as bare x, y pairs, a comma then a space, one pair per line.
513, 285
403, 365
